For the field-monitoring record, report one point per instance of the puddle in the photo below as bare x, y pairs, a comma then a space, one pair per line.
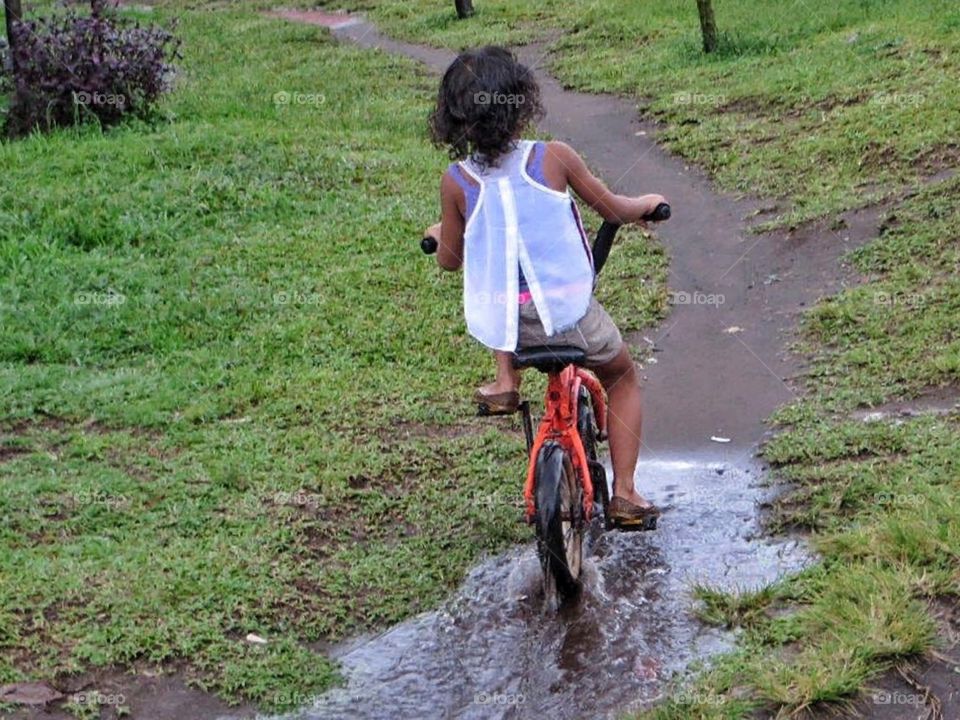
492, 651
933, 402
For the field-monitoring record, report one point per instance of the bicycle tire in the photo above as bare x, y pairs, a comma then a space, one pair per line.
559, 521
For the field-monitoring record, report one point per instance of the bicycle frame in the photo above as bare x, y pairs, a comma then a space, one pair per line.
559, 423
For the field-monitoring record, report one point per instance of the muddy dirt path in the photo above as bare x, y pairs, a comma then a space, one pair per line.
721, 368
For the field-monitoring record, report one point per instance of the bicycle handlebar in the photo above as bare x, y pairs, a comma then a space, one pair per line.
601, 245
428, 245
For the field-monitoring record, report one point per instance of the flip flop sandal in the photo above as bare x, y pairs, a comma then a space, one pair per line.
505, 403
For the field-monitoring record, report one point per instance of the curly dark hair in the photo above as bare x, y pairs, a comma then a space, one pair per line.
486, 99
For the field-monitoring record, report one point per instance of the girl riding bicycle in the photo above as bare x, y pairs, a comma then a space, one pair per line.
508, 219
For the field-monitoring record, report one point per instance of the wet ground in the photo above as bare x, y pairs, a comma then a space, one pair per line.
495, 651
145, 692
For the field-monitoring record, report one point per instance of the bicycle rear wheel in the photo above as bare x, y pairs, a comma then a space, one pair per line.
560, 522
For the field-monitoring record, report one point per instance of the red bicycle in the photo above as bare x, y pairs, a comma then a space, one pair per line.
565, 481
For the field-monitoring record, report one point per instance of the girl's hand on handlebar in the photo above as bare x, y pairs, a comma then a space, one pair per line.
648, 205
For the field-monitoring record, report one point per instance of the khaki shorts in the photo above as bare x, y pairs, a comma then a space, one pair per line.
595, 333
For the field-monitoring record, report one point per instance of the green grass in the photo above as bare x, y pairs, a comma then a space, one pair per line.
268, 433
822, 105
234, 396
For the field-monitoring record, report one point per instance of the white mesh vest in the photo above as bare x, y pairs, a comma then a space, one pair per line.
517, 222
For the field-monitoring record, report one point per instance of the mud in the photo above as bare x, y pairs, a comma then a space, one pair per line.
143, 695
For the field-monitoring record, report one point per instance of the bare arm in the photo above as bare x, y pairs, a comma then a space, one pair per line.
449, 231
616, 208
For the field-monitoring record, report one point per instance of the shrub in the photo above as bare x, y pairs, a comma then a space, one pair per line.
72, 68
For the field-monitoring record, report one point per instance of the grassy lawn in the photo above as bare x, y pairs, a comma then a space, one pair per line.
234, 396
820, 104
823, 106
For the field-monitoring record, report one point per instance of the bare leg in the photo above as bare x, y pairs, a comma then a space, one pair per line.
624, 421
508, 378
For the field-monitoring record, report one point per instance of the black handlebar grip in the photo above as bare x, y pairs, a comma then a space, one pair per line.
660, 212
428, 245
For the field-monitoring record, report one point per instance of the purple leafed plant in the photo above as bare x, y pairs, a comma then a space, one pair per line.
72, 69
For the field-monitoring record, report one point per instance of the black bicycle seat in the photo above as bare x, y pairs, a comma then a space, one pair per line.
549, 358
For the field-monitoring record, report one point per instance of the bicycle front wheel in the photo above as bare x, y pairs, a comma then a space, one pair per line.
560, 521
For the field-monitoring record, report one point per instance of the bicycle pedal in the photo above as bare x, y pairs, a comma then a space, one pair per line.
483, 410
644, 525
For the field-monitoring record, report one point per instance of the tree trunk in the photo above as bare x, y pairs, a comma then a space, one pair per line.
464, 8
13, 14
708, 26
